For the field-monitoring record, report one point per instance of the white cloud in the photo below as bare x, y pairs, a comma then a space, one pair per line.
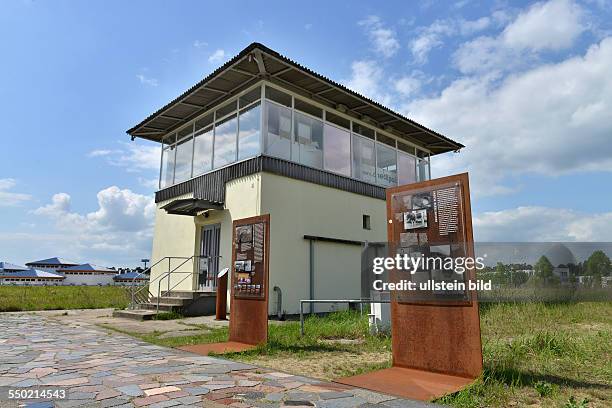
147, 81
383, 39
433, 36
552, 25
485, 55
527, 224
120, 228
60, 204
8, 198
553, 119
407, 85
200, 44
217, 56
467, 27
429, 38
366, 79
133, 156
99, 153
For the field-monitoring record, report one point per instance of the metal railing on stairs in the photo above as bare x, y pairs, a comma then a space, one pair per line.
141, 294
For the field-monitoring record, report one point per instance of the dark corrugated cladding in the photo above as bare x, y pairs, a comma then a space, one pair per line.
211, 186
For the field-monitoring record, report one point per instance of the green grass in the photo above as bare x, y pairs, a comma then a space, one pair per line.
27, 298
543, 354
168, 316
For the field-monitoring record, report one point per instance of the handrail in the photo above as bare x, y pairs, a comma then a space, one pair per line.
182, 280
194, 258
159, 279
167, 274
135, 292
149, 269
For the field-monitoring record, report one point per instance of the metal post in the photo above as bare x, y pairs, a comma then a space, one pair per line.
301, 318
132, 303
168, 274
311, 277
158, 293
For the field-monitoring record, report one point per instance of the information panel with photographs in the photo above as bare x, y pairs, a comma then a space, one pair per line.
249, 269
429, 224
436, 331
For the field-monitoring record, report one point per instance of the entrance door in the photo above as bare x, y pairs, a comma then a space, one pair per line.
209, 257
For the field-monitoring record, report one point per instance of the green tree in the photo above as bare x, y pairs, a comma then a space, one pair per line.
598, 264
543, 269
519, 278
501, 275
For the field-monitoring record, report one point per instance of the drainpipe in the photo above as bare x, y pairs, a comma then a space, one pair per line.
311, 276
279, 303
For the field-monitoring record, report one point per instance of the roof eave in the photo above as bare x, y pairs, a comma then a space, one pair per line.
452, 145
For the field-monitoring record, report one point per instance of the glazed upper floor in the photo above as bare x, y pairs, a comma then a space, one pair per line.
261, 103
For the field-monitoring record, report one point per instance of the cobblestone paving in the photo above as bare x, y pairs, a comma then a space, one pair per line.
103, 369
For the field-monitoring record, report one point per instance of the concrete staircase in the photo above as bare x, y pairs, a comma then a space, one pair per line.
183, 302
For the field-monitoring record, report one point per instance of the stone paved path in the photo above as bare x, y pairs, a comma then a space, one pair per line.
106, 369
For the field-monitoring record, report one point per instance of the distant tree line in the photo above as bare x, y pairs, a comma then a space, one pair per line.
597, 266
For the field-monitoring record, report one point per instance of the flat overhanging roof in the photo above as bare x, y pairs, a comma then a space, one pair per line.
258, 62
191, 206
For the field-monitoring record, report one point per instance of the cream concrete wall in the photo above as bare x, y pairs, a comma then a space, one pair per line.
299, 208
179, 235
174, 235
241, 201
296, 208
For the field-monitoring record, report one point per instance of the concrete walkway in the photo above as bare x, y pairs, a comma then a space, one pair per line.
96, 368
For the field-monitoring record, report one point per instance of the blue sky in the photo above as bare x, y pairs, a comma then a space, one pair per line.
525, 85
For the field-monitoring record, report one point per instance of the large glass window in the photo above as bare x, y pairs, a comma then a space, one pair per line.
225, 142
249, 124
278, 96
203, 146
167, 176
363, 130
308, 145
226, 110
250, 97
308, 108
423, 169
337, 120
386, 165
337, 150
364, 159
406, 168
278, 135
184, 153
293, 129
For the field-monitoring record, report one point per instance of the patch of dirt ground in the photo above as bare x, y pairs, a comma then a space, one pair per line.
322, 365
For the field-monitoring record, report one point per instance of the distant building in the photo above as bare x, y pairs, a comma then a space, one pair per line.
7, 267
30, 277
88, 274
130, 278
51, 264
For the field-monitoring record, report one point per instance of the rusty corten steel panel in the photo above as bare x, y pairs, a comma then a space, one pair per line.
249, 314
221, 306
439, 336
408, 383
